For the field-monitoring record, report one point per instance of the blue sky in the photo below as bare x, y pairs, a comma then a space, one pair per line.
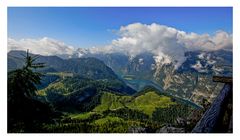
87, 27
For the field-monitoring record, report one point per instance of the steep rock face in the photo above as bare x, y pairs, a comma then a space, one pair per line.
193, 86
192, 80
208, 92
122, 64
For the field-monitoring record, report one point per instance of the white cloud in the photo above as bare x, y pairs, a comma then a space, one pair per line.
166, 43
44, 46
193, 41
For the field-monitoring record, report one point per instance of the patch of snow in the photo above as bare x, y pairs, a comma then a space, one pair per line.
162, 59
198, 66
153, 66
201, 55
211, 62
217, 69
140, 61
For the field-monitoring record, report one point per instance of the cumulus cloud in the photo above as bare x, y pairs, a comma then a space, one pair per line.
193, 41
43, 46
166, 43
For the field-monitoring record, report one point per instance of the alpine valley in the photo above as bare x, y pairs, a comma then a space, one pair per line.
115, 92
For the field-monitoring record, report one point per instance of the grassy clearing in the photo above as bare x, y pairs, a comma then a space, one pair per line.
147, 103
82, 116
58, 87
111, 101
61, 74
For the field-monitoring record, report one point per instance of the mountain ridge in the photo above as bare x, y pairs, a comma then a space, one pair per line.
191, 81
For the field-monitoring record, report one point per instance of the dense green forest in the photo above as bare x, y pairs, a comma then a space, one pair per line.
66, 101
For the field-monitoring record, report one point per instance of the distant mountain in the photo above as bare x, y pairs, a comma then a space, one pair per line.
87, 67
207, 62
192, 80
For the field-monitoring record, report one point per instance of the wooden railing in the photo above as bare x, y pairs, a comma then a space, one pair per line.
213, 118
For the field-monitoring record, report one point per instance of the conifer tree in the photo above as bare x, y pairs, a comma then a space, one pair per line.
22, 108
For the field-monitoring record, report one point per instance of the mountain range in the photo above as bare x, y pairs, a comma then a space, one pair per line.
192, 80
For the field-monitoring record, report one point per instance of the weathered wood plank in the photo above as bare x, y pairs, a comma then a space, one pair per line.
209, 123
222, 79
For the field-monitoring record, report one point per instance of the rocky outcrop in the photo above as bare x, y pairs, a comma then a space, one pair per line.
170, 129
137, 130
